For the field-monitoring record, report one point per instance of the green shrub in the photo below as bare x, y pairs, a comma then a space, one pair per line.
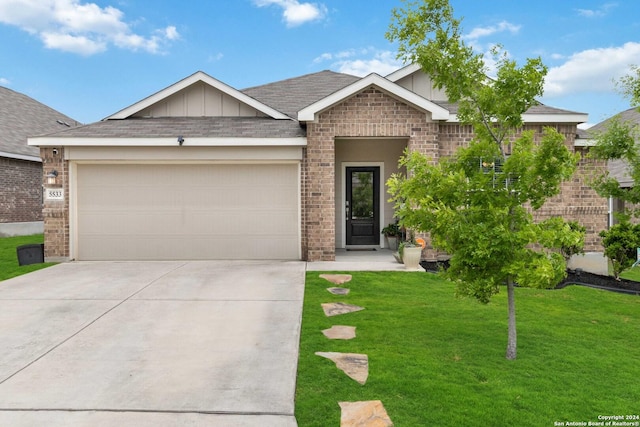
621, 243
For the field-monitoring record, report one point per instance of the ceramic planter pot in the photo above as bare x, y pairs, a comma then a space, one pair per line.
392, 242
411, 257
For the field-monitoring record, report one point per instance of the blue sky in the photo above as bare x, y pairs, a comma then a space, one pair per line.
91, 58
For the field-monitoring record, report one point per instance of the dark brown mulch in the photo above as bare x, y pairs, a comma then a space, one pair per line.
609, 283
574, 277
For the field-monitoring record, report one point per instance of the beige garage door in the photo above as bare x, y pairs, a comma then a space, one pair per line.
198, 211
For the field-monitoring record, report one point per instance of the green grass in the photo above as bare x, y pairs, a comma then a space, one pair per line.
9, 260
631, 274
438, 360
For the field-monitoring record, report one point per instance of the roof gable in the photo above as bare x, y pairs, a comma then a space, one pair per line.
414, 79
310, 113
198, 95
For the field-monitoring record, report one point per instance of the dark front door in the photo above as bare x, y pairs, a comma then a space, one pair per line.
363, 205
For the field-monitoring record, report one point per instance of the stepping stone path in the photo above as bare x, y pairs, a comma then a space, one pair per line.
337, 308
364, 414
356, 366
340, 332
336, 279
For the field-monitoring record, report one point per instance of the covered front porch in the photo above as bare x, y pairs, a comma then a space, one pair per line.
362, 207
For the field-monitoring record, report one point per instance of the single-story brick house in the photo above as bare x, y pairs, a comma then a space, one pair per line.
20, 164
288, 170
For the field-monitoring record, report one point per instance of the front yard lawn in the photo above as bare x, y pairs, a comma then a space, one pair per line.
9, 260
632, 274
438, 360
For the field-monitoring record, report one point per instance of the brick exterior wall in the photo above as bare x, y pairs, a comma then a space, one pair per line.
56, 213
21, 190
372, 113
576, 201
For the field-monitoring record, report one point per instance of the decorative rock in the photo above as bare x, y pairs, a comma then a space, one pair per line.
356, 366
336, 279
336, 308
338, 291
364, 414
340, 332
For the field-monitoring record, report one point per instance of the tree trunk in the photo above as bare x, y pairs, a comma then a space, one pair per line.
512, 342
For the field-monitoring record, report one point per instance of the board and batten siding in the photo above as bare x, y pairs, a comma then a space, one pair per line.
199, 100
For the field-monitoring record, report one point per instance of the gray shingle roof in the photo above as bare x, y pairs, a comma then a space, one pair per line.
189, 127
292, 95
632, 115
536, 109
287, 96
22, 117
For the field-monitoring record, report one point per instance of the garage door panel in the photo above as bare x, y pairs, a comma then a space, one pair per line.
177, 223
187, 211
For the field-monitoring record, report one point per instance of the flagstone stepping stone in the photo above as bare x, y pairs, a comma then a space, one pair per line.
336, 279
356, 366
338, 332
337, 308
364, 414
338, 291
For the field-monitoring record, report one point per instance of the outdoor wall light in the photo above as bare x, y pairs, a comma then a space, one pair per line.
51, 177
180, 140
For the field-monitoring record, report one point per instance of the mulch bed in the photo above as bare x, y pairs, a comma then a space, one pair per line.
574, 277
609, 283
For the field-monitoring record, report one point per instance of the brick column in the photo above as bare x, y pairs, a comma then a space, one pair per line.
320, 194
56, 212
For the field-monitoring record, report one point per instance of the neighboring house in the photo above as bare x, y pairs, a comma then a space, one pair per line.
20, 164
618, 169
289, 170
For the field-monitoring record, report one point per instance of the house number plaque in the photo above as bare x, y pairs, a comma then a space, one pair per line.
54, 194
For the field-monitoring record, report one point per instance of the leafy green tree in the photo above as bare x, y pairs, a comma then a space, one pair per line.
620, 245
629, 86
618, 142
473, 203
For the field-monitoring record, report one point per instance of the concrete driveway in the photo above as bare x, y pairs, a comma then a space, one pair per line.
203, 343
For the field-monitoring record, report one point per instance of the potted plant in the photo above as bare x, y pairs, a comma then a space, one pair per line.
412, 252
391, 233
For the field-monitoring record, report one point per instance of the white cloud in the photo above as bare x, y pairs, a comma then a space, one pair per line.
171, 33
595, 13
322, 58
296, 13
480, 32
4, 82
215, 57
79, 27
592, 70
343, 55
71, 43
362, 62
